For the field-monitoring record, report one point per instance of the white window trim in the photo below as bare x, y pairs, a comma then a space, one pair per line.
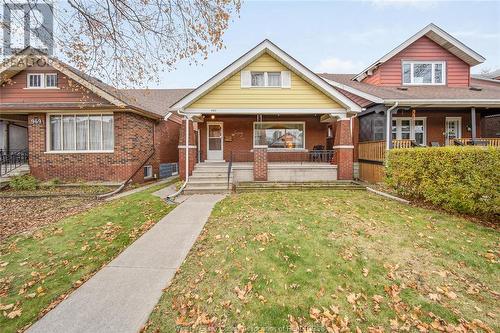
48, 150
150, 168
412, 127
411, 63
281, 122
266, 79
42, 81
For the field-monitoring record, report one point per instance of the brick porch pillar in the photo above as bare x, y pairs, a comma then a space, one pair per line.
182, 149
344, 149
260, 163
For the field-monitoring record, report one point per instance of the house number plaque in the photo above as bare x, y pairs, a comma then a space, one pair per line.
36, 121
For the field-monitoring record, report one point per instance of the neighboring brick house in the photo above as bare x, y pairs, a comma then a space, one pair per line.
79, 128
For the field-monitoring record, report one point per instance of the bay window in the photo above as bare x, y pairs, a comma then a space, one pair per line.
279, 135
81, 132
409, 129
423, 72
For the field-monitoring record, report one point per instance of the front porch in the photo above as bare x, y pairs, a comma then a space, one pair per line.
232, 149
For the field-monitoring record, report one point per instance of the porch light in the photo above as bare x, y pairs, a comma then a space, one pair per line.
212, 117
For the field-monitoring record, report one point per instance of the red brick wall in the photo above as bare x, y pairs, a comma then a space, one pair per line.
260, 164
240, 131
436, 122
390, 72
133, 144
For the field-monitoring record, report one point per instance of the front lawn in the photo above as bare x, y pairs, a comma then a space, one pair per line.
334, 261
38, 270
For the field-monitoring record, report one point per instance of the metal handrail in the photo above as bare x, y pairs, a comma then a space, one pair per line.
12, 160
229, 167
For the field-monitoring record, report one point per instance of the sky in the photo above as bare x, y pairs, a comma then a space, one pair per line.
345, 36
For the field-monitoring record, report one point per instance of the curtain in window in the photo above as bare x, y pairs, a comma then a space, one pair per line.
95, 132
55, 133
69, 132
82, 131
274, 79
107, 133
257, 79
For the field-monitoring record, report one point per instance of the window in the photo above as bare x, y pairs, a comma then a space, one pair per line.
257, 79
35, 80
148, 171
274, 79
280, 135
42, 80
409, 129
266, 79
50, 80
378, 129
81, 132
423, 73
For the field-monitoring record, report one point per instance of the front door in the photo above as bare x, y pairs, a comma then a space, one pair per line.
214, 142
452, 129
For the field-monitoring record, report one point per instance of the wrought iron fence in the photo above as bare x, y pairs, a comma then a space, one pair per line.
9, 160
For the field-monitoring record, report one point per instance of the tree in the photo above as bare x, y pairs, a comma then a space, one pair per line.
129, 42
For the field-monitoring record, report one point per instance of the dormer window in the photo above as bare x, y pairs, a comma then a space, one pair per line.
424, 72
42, 80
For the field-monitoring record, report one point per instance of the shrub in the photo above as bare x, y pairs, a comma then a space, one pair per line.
23, 183
461, 179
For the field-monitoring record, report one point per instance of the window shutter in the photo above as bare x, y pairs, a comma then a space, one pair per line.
246, 79
286, 79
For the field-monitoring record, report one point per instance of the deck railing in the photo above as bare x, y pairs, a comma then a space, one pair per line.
406, 143
493, 142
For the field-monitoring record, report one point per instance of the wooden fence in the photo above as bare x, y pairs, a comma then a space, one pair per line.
493, 142
371, 156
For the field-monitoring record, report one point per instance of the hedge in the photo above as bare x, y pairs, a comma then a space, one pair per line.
461, 179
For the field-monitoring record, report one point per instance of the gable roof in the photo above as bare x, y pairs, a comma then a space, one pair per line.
284, 58
486, 95
149, 102
439, 36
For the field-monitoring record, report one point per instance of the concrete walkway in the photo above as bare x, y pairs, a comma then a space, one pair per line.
120, 297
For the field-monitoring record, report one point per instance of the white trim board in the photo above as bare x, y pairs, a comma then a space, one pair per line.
264, 111
437, 35
266, 47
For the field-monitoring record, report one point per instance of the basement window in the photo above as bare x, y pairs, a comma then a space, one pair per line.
148, 171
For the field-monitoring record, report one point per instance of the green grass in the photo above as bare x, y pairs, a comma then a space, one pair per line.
37, 270
318, 258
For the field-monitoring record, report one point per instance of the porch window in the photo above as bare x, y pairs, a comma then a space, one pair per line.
423, 72
409, 129
81, 132
279, 135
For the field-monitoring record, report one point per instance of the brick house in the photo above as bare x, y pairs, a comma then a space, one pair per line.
75, 127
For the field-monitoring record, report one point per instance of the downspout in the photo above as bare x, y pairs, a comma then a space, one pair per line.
171, 197
388, 126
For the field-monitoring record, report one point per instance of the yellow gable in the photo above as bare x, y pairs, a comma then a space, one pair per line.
230, 95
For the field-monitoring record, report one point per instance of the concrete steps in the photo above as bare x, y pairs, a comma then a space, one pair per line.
19, 171
209, 178
276, 186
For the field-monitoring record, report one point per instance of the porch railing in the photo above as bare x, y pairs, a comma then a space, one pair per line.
406, 143
12, 159
314, 156
493, 142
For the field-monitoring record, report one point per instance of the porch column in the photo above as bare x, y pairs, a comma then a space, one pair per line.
344, 149
260, 163
473, 123
182, 149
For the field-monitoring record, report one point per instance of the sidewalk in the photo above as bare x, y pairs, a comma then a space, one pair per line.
120, 297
